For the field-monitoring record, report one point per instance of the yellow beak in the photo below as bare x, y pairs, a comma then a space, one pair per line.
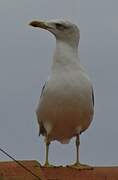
40, 24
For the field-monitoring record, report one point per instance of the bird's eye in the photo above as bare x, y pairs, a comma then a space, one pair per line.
60, 26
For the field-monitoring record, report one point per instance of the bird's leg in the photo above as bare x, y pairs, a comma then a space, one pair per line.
47, 152
77, 149
46, 158
77, 164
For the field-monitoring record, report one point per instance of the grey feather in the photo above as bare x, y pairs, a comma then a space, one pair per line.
93, 96
43, 89
42, 130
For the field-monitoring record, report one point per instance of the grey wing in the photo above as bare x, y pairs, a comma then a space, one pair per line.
93, 97
42, 130
43, 89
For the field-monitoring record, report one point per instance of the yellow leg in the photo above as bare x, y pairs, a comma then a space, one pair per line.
46, 159
77, 164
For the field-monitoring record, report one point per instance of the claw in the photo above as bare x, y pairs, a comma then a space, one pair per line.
80, 166
48, 165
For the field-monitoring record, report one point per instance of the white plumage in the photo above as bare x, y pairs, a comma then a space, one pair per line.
66, 104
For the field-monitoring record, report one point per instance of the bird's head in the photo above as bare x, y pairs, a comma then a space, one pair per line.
63, 30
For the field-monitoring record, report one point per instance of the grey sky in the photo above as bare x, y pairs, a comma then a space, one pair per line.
25, 61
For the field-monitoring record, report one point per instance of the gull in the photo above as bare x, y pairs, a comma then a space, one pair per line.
66, 105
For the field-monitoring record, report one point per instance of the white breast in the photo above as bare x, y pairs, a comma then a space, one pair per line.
66, 106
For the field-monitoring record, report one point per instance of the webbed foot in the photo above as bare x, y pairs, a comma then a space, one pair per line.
80, 166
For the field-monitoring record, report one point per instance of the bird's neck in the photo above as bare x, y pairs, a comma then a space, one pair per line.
65, 54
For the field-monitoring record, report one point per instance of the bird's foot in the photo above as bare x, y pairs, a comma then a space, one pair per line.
47, 165
80, 166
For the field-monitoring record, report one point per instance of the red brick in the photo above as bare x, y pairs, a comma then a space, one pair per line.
12, 171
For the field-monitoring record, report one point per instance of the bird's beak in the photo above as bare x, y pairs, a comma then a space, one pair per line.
40, 24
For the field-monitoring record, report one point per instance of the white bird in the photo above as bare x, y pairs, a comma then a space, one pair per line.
66, 104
